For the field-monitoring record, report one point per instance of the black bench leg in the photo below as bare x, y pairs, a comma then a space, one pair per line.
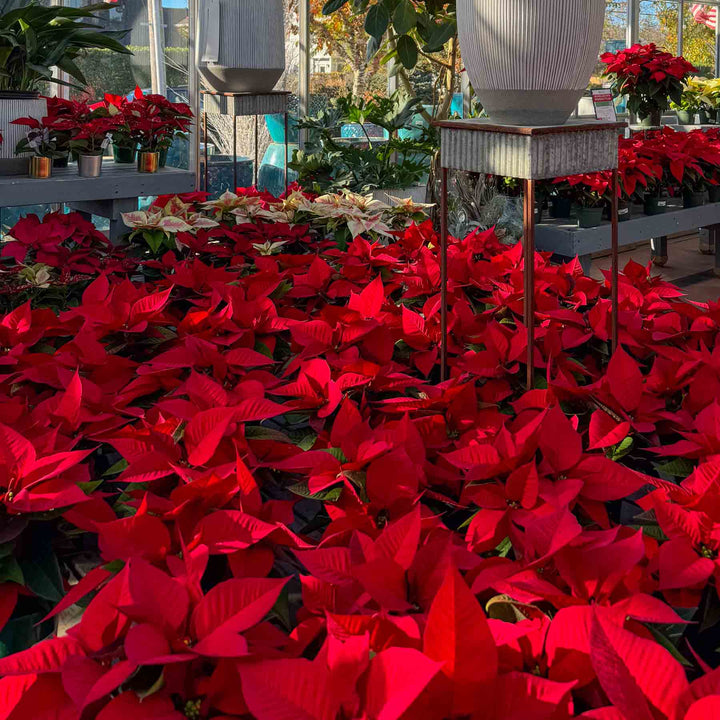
714, 233
658, 250
706, 246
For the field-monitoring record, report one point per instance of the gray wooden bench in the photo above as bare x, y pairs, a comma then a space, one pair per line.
116, 191
566, 240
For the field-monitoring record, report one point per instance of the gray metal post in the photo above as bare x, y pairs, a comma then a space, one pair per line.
193, 93
304, 65
632, 31
156, 40
717, 42
680, 27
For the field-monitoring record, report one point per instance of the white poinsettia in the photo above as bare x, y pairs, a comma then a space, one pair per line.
229, 203
175, 217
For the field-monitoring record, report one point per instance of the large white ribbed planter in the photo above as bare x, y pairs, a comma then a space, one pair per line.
241, 44
529, 61
14, 105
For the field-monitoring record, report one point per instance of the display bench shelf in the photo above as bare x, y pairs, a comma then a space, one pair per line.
114, 192
568, 240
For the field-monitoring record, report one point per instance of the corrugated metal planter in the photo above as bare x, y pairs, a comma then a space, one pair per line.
529, 61
241, 44
14, 105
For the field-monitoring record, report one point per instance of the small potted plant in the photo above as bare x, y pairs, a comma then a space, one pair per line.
588, 193
649, 77
90, 143
560, 199
40, 141
124, 146
690, 103
64, 118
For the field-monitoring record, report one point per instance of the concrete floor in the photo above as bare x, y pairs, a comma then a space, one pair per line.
686, 267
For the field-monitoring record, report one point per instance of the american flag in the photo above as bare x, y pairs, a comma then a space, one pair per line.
704, 14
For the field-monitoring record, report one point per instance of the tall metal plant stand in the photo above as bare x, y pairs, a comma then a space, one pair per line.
243, 105
529, 154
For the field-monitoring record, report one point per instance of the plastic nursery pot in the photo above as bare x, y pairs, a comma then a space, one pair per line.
624, 210
40, 167
61, 162
693, 199
560, 207
654, 205
589, 217
89, 165
714, 193
148, 162
685, 117
163, 152
703, 116
124, 155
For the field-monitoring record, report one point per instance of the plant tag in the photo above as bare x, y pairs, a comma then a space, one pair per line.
106, 141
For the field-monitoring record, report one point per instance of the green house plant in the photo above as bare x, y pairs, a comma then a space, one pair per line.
368, 164
34, 40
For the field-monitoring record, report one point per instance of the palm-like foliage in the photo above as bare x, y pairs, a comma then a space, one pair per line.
35, 39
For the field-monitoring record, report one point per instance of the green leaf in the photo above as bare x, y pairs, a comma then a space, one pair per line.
377, 21
116, 468
332, 5
10, 570
679, 467
404, 17
337, 453
328, 495
663, 640
42, 576
407, 51
439, 36
621, 449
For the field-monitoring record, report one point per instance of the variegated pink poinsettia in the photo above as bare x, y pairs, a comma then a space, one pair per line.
175, 217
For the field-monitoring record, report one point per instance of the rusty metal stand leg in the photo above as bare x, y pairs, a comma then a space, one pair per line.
614, 275
287, 140
235, 179
443, 275
529, 275
205, 149
257, 169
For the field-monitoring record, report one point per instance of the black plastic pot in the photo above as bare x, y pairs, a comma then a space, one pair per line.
654, 205
703, 116
693, 199
714, 193
163, 156
589, 217
624, 211
560, 207
61, 162
124, 155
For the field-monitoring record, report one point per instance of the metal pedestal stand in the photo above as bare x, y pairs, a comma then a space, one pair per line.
530, 154
243, 105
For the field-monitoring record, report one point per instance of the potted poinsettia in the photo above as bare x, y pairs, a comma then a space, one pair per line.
588, 193
154, 122
124, 146
90, 142
649, 77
